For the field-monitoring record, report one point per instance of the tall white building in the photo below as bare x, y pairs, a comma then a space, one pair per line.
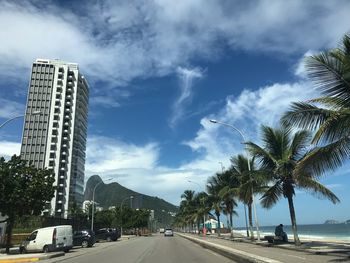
56, 138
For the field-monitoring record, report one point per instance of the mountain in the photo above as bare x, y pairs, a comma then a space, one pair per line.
113, 194
331, 222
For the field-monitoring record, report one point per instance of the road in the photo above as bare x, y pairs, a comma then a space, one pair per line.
156, 248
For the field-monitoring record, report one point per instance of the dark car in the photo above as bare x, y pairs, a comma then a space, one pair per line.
84, 238
108, 234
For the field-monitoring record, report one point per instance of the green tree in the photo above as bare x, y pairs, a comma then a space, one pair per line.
279, 157
228, 194
187, 207
24, 190
328, 115
201, 207
249, 183
214, 199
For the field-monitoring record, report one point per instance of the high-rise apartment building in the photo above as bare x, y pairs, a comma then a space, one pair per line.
56, 138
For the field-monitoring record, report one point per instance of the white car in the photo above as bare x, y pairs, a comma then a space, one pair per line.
49, 239
168, 232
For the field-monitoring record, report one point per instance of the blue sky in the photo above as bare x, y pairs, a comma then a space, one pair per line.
159, 70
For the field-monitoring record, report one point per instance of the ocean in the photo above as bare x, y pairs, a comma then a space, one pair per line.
317, 232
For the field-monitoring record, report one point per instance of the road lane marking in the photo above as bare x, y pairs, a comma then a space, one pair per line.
296, 257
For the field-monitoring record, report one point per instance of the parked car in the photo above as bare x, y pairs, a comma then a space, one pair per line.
108, 234
48, 239
168, 232
84, 238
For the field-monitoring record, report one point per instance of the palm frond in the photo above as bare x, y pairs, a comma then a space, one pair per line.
334, 128
305, 116
272, 195
328, 71
329, 102
265, 158
317, 189
299, 143
326, 158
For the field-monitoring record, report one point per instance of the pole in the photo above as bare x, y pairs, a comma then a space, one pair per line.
93, 206
249, 169
121, 210
16, 117
93, 203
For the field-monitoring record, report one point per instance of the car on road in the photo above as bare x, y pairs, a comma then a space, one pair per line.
107, 234
161, 230
84, 238
48, 239
168, 232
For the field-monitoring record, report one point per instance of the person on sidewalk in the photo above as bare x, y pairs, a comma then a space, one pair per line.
280, 233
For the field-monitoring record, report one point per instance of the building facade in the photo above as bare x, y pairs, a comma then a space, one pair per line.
56, 137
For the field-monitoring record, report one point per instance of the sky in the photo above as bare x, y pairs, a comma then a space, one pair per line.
159, 70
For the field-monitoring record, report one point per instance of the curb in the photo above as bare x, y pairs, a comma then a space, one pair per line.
32, 259
234, 254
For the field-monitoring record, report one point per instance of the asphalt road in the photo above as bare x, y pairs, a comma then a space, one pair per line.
156, 248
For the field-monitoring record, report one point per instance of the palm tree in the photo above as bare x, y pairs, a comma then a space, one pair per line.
249, 183
187, 206
329, 115
202, 207
279, 157
215, 201
228, 193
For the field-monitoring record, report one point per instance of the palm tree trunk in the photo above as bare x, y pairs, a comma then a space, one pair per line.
294, 221
218, 216
250, 218
231, 224
198, 224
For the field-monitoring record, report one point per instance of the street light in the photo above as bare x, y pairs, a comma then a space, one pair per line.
19, 116
222, 167
121, 209
249, 169
93, 203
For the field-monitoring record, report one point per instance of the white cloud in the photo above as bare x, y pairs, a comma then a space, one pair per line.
136, 167
7, 149
187, 77
217, 143
121, 40
9, 108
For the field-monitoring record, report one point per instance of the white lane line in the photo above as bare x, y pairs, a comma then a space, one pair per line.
296, 256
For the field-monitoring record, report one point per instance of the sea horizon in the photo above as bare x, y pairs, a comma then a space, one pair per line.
316, 232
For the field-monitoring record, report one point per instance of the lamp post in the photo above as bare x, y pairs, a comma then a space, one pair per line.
121, 209
222, 167
201, 189
19, 116
249, 169
93, 203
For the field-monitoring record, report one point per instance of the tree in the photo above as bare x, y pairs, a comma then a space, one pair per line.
329, 115
249, 183
279, 157
201, 207
228, 194
24, 190
187, 206
214, 199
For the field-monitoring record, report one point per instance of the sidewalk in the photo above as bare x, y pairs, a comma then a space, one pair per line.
30, 257
242, 249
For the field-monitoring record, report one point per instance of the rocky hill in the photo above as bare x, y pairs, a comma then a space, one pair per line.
113, 194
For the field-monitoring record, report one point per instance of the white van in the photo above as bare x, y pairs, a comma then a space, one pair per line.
49, 239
